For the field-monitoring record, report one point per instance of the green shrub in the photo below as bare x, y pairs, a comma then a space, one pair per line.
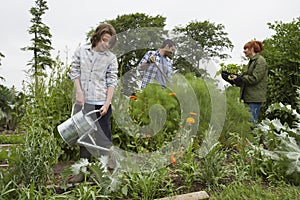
36, 157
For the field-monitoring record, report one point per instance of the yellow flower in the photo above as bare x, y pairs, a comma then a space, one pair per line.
190, 120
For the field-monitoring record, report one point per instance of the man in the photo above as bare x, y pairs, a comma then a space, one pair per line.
157, 65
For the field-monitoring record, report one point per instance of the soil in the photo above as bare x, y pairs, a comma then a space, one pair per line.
58, 169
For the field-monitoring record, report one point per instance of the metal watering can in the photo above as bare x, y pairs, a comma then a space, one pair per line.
80, 124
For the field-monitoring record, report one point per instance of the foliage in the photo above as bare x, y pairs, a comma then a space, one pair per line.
281, 142
231, 68
134, 39
1, 56
282, 54
202, 40
184, 66
188, 169
146, 185
257, 190
12, 138
12, 105
228, 108
149, 106
155, 95
50, 107
237, 118
41, 42
36, 157
214, 172
9, 153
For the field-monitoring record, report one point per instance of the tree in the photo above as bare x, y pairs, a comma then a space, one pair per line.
1, 56
202, 41
282, 52
41, 42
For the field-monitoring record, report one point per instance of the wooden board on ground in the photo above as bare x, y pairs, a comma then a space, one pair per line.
190, 196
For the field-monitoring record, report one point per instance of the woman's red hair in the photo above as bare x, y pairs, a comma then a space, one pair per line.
256, 45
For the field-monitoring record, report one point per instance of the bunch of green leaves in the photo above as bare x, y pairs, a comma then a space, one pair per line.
188, 169
88, 192
45, 107
213, 170
281, 142
51, 103
146, 185
12, 105
231, 68
154, 106
237, 118
8, 154
36, 157
241, 190
12, 138
153, 94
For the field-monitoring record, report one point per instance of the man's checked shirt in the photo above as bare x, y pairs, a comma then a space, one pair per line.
152, 72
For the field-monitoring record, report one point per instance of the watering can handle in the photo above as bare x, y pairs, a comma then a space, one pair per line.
94, 111
73, 108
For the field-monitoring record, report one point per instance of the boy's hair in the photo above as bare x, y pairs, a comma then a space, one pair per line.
100, 31
168, 42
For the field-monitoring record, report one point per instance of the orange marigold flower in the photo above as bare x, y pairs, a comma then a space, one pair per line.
133, 97
172, 94
193, 114
190, 120
173, 159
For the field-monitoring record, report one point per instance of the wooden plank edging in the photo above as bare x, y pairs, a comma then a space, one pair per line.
190, 196
9, 145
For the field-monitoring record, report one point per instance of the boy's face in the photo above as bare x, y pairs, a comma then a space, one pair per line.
104, 44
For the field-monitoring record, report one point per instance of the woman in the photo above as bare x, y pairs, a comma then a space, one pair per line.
253, 81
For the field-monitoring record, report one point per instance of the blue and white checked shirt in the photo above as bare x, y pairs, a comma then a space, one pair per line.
96, 71
152, 72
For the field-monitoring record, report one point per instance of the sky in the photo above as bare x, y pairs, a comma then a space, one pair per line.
70, 20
